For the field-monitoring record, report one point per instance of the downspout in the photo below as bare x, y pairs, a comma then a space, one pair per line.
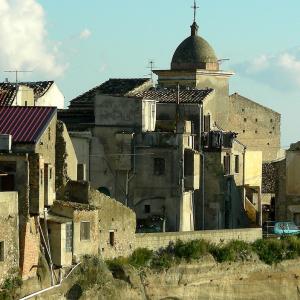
244, 180
128, 179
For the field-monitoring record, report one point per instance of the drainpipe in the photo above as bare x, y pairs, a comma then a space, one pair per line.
244, 180
128, 179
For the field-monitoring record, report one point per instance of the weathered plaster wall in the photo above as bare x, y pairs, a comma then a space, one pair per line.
9, 233
253, 168
53, 97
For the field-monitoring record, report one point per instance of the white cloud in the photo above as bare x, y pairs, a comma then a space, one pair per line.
23, 36
280, 71
85, 34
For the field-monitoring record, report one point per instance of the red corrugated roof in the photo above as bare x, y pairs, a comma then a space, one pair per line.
25, 123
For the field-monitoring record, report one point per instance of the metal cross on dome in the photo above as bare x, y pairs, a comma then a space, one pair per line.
195, 7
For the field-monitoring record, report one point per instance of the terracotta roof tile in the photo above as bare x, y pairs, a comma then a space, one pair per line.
166, 95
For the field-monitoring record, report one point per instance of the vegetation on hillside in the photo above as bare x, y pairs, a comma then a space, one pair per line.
270, 251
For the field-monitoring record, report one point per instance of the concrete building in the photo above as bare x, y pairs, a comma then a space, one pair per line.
40, 93
9, 234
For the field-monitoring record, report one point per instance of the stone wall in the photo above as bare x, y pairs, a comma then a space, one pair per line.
65, 159
116, 219
9, 234
155, 241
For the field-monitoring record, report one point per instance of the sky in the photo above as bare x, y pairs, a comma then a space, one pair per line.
81, 44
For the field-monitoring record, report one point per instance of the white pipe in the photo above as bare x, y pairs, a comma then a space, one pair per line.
49, 288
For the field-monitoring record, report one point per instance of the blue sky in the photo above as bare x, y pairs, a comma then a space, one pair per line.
87, 42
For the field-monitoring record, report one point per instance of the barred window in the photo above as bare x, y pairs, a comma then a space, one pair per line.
85, 231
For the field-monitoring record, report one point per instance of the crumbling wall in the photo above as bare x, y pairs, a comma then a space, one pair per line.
9, 234
65, 159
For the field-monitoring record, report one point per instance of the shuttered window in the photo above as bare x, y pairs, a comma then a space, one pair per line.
2, 254
85, 231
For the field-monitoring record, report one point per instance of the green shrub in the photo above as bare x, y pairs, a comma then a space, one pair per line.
141, 257
270, 251
9, 287
191, 250
233, 251
162, 260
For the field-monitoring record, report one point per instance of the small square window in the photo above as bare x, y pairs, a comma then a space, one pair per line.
147, 209
69, 237
255, 131
271, 121
244, 131
243, 109
2, 254
245, 119
85, 231
111, 237
256, 120
159, 166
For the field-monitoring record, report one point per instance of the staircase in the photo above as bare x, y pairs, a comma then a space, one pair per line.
251, 213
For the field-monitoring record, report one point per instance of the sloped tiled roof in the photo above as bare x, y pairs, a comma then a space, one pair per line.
40, 88
7, 93
166, 95
117, 87
25, 123
8, 90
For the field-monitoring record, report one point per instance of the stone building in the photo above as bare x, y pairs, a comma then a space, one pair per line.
9, 234
86, 222
117, 135
39, 93
28, 157
195, 65
287, 192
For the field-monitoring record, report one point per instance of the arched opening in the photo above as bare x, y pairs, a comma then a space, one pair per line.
104, 190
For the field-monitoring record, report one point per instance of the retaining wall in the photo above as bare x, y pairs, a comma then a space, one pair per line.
154, 241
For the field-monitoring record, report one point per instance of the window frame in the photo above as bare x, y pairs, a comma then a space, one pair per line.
83, 231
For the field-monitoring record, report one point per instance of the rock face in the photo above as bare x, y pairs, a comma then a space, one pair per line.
232, 281
199, 280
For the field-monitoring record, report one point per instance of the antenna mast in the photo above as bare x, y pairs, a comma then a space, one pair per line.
151, 65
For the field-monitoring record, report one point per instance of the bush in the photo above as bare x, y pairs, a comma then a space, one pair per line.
270, 251
163, 259
141, 257
9, 287
233, 251
191, 250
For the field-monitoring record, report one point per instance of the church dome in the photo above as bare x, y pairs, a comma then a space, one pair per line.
194, 53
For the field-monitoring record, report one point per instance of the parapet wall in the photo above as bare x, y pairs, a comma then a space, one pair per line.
155, 241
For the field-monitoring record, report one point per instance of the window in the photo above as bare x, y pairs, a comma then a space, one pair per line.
255, 131
49, 134
244, 131
245, 119
159, 166
271, 121
243, 109
147, 209
256, 120
42, 175
50, 173
111, 237
85, 231
25, 103
207, 123
226, 162
69, 237
2, 255
237, 164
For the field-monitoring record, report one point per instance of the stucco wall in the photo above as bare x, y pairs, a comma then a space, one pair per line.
53, 97
155, 241
9, 233
293, 173
253, 168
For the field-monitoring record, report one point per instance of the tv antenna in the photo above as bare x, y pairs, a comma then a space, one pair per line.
220, 61
151, 65
16, 73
